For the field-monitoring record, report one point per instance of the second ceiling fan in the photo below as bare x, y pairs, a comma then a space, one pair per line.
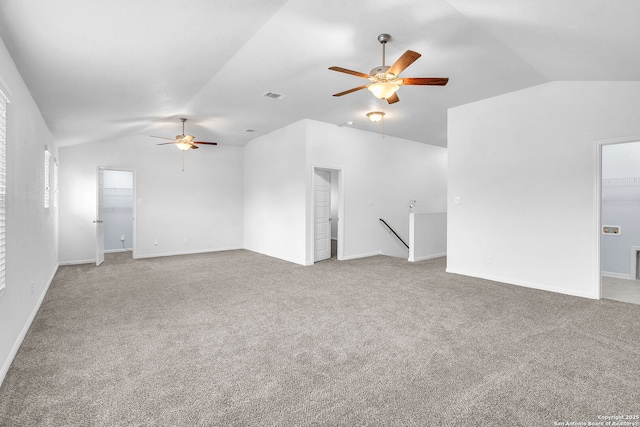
385, 80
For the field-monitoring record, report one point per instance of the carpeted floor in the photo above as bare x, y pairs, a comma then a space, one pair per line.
240, 339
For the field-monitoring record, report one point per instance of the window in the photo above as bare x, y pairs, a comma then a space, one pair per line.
3, 184
47, 178
55, 183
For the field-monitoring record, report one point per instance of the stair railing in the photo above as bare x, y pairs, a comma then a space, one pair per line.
394, 232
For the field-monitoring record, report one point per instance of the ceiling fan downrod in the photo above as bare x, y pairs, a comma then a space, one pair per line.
383, 39
182, 119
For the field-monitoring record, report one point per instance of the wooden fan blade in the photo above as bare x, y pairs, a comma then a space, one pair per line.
403, 62
194, 147
433, 81
162, 137
353, 73
166, 143
393, 99
205, 143
350, 90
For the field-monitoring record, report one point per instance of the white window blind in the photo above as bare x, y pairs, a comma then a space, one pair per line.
3, 185
47, 158
55, 183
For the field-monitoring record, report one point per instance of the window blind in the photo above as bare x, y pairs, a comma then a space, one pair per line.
55, 183
3, 185
47, 158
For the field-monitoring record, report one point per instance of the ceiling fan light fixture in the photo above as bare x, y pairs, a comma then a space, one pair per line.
375, 116
183, 146
383, 90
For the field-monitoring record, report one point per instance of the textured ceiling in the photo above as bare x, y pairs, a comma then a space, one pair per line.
101, 70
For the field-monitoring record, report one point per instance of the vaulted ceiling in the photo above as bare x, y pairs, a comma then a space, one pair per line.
105, 69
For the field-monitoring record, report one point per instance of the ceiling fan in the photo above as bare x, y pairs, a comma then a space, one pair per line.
184, 142
385, 80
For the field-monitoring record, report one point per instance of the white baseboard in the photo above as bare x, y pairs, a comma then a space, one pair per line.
199, 251
23, 333
538, 286
426, 257
348, 257
113, 251
138, 256
616, 275
78, 262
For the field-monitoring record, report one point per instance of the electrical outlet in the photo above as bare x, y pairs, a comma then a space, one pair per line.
186, 240
122, 237
489, 259
32, 287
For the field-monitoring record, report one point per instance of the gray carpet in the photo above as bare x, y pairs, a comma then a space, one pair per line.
240, 339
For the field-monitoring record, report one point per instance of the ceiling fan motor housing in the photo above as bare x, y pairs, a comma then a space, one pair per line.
380, 72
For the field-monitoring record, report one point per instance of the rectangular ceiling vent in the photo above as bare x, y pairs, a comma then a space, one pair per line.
273, 95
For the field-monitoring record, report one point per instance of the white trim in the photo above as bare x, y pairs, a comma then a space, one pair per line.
200, 251
616, 275
25, 329
134, 227
597, 146
78, 262
531, 285
349, 257
158, 255
310, 248
113, 251
426, 257
634, 262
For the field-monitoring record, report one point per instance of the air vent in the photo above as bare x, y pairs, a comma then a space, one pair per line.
273, 95
249, 130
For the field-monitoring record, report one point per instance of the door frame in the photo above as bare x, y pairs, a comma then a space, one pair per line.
134, 238
598, 202
311, 212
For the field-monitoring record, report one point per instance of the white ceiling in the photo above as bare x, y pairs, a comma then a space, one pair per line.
104, 69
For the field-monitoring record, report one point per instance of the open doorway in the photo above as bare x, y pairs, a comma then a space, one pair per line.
619, 231
328, 230
116, 212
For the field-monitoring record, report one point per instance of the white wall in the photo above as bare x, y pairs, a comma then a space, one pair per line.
620, 206
524, 167
388, 172
274, 194
427, 235
31, 230
203, 204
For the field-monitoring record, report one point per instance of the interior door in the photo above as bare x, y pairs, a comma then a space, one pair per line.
322, 215
99, 221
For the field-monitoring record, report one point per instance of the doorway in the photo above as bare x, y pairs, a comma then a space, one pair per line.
115, 230
328, 229
619, 219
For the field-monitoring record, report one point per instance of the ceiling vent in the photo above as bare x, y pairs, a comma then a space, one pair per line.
249, 130
273, 95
